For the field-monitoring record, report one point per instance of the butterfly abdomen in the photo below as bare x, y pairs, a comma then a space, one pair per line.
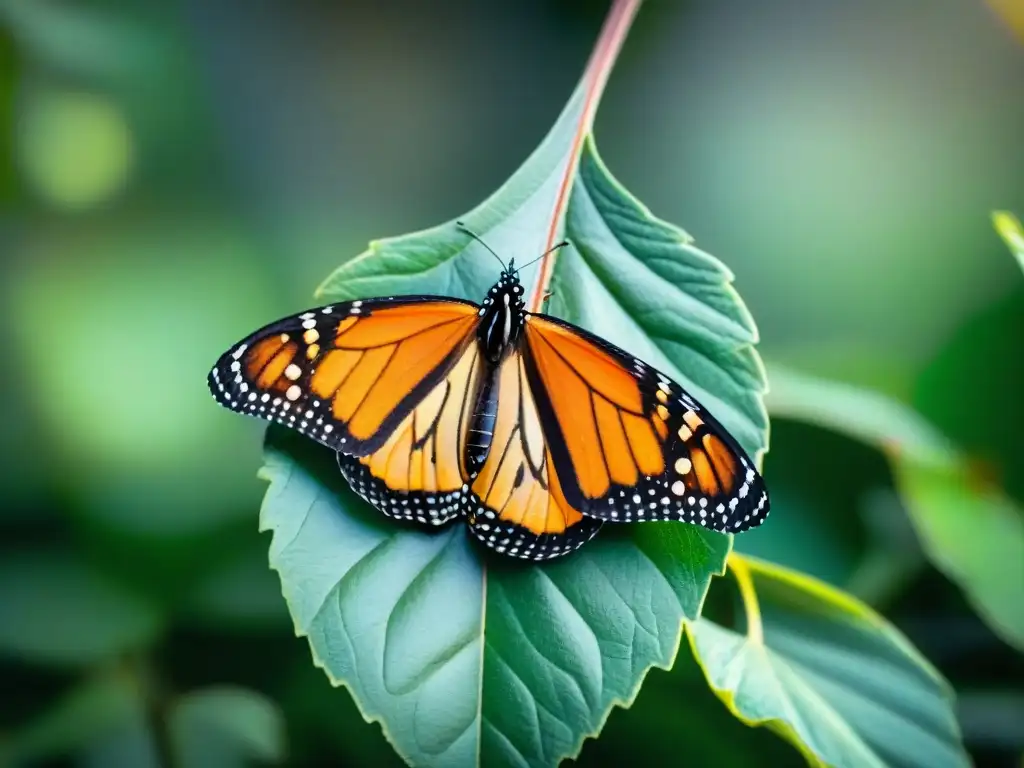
481, 429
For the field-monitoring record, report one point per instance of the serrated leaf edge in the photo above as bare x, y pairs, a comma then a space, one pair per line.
685, 241
627, 701
267, 474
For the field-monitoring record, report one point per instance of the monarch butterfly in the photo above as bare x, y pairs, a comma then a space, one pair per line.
537, 432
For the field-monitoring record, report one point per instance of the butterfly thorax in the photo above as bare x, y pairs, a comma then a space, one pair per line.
502, 315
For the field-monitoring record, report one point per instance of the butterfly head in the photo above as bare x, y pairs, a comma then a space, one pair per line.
502, 313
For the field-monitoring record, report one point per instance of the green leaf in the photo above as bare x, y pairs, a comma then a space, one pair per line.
224, 727
712, 736
970, 531
467, 661
55, 609
443, 260
325, 726
105, 721
466, 658
860, 413
1009, 228
240, 594
828, 674
89, 713
640, 283
990, 341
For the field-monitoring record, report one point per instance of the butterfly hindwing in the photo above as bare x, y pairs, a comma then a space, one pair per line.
419, 473
518, 507
629, 444
348, 374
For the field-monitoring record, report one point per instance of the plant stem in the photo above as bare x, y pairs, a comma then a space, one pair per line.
602, 59
741, 572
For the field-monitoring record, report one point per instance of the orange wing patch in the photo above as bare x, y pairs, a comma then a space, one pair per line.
397, 349
426, 451
520, 509
266, 361
599, 410
722, 460
346, 375
628, 443
711, 467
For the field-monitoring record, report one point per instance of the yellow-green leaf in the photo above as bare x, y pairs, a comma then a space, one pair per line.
828, 674
971, 531
1009, 228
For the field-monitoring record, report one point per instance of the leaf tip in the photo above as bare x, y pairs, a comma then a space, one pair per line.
1009, 228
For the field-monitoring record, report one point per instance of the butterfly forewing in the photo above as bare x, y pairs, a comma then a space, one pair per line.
346, 375
629, 444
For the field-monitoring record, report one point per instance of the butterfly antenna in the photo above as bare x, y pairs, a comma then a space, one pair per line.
480, 240
554, 247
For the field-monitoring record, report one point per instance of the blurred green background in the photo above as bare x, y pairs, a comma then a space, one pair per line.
177, 173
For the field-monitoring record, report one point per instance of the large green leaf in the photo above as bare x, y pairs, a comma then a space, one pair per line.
828, 674
971, 531
467, 659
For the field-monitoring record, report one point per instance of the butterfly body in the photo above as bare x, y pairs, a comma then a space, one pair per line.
502, 315
533, 430
481, 430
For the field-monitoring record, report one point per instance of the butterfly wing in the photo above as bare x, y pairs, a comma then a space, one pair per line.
347, 375
628, 443
518, 507
419, 473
